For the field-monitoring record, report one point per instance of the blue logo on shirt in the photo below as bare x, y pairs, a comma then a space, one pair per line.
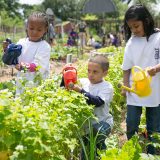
157, 54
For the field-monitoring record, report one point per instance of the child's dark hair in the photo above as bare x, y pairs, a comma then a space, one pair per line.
41, 15
101, 60
140, 13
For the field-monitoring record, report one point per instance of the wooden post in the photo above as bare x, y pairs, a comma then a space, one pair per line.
69, 58
12, 72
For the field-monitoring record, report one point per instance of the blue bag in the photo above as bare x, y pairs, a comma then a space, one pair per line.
13, 51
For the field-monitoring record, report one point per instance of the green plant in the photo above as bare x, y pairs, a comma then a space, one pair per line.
114, 77
60, 52
10, 85
89, 141
42, 123
130, 151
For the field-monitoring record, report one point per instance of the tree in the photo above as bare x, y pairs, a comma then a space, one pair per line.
9, 13
64, 8
11, 7
26, 10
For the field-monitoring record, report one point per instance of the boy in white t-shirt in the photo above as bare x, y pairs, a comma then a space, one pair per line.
98, 93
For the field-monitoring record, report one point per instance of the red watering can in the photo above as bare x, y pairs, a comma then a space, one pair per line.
69, 75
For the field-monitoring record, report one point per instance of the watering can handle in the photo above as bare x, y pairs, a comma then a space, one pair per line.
70, 66
139, 68
143, 72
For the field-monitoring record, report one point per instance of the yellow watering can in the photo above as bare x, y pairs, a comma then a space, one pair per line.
141, 82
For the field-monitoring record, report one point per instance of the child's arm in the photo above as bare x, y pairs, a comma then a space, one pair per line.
94, 100
17, 66
126, 74
153, 70
6, 43
91, 99
62, 82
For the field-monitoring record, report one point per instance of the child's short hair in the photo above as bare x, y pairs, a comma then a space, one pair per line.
140, 13
101, 60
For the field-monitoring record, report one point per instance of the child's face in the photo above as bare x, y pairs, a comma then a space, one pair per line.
95, 73
36, 29
136, 27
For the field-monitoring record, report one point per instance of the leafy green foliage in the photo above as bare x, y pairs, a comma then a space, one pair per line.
11, 6
61, 52
10, 85
130, 151
90, 17
64, 8
6, 20
115, 77
42, 124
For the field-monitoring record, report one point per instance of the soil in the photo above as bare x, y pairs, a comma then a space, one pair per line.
8, 73
122, 136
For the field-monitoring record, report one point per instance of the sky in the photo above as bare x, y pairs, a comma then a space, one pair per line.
30, 1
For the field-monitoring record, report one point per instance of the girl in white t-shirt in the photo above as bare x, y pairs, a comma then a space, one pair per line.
35, 51
143, 50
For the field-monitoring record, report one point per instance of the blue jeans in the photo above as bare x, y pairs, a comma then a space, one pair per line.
102, 129
152, 122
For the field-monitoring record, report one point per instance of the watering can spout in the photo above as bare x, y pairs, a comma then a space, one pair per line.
127, 88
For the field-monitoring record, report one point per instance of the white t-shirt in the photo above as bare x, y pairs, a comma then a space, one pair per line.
105, 91
35, 52
143, 53
91, 42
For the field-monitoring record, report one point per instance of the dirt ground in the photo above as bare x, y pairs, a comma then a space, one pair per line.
123, 137
8, 73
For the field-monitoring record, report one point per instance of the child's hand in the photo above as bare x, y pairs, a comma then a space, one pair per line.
5, 45
151, 71
18, 67
123, 92
75, 88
